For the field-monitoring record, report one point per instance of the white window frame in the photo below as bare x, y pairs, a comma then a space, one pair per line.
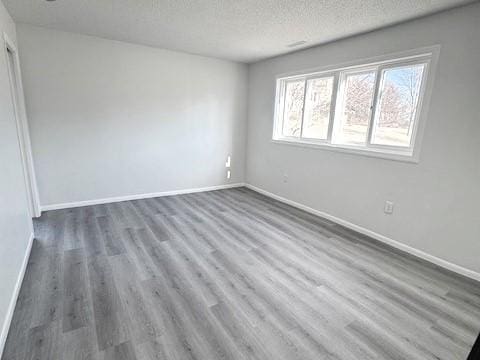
426, 56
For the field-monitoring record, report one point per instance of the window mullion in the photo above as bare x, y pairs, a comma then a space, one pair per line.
303, 107
373, 108
333, 105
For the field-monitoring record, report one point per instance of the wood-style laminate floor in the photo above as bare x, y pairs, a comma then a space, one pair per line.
230, 274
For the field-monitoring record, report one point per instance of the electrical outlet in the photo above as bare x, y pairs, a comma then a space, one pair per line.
229, 174
388, 209
285, 178
229, 162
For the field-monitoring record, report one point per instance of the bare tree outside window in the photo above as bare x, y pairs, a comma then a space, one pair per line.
397, 106
292, 116
317, 108
356, 112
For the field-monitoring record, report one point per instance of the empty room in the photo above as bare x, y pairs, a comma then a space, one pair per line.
236, 180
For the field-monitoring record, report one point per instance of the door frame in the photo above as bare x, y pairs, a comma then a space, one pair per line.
16, 90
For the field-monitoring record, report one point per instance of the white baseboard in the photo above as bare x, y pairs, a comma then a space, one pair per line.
396, 244
136, 197
13, 300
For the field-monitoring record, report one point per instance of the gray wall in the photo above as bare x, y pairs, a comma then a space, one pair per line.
15, 222
436, 200
113, 119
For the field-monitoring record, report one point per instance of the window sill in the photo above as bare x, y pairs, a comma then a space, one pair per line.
369, 152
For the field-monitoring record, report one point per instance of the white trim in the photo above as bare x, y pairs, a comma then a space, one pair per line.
137, 197
383, 154
13, 300
384, 239
23, 134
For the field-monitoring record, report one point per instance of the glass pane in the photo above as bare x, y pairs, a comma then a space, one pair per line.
355, 113
396, 110
317, 108
292, 113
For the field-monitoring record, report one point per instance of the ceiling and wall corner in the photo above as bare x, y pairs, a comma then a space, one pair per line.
244, 31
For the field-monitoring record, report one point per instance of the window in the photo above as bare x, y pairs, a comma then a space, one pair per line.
370, 108
397, 105
354, 108
292, 116
317, 108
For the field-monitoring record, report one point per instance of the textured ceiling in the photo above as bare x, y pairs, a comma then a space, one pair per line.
241, 30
